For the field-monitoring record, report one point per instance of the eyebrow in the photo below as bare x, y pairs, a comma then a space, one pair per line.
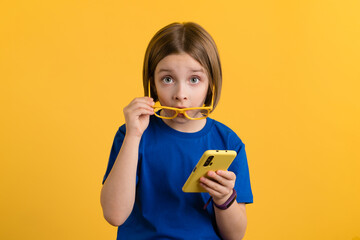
169, 70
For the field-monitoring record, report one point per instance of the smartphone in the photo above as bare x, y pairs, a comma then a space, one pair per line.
211, 160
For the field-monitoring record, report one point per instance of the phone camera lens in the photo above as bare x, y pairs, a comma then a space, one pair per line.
208, 161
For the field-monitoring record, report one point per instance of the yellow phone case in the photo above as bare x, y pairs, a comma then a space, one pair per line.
211, 160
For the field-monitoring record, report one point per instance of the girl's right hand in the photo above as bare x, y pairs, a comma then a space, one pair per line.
137, 115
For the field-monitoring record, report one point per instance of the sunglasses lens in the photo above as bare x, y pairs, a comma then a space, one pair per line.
194, 114
197, 113
166, 113
204, 112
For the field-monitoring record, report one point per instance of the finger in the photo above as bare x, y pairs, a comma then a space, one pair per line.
144, 100
136, 113
217, 191
226, 174
213, 187
150, 100
213, 193
228, 183
138, 104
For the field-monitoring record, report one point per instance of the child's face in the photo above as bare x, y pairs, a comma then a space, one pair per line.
181, 82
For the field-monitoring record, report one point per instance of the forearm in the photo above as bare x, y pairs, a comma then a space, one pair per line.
118, 191
232, 222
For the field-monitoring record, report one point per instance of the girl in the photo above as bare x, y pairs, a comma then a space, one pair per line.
155, 150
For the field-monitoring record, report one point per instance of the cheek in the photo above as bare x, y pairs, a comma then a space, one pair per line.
163, 95
201, 97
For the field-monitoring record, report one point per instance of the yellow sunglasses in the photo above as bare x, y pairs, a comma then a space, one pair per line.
190, 113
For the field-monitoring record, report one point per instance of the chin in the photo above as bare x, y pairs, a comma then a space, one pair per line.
180, 120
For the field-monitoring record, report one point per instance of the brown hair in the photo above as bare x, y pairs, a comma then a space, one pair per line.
188, 38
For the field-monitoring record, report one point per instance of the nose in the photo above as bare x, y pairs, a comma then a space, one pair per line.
181, 92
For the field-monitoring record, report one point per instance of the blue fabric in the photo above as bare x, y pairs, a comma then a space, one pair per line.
166, 158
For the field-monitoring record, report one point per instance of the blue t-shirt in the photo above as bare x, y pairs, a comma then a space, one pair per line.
166, 158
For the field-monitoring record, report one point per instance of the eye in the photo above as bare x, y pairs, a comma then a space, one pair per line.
194, 80
167, 80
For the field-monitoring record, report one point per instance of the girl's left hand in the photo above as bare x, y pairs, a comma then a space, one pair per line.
219, 184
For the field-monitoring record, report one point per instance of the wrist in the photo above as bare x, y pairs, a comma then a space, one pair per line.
133, 138
230, 200
220, 201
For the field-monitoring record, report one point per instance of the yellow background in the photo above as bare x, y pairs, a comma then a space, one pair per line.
291, 92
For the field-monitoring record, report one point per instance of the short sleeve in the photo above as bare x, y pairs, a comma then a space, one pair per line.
241, 169
118, 140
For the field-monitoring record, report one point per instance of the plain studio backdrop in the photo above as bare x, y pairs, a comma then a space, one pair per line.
291, 92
